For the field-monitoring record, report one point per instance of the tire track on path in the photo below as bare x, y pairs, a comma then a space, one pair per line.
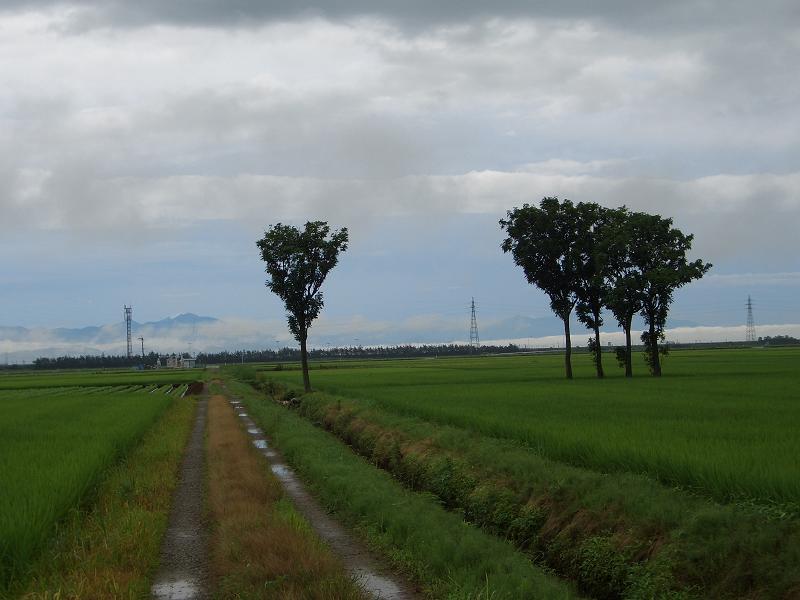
375, 580
183, 571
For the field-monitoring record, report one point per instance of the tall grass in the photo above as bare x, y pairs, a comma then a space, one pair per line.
723, 423
53, 450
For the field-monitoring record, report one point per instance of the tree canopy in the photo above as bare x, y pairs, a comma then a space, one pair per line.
590, 258
297, 263
545, 242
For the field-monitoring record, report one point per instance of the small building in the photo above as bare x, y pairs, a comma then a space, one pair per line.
176, 361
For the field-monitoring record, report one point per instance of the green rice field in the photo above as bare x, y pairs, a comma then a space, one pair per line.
56, 441
723, 423
89, 378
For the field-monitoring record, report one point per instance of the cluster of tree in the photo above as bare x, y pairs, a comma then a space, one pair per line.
778, 340
94, 362
406, 351
589, 258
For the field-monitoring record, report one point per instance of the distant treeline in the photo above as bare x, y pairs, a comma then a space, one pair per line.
293, 354
779, 340
409, 351
86, 361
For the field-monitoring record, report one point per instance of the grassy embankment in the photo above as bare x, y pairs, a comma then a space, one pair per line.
107, 548
442, 554
260, 546
620, 534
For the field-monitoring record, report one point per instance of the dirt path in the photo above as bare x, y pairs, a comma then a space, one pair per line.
376, 581
183, 574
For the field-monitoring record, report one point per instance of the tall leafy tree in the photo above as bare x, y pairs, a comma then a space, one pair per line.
659, 255
591, 287
544, 241
624, 239
297, 262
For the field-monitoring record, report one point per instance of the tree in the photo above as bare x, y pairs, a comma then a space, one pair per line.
591, 283
620, 244
544, 241
660, 258
297, 263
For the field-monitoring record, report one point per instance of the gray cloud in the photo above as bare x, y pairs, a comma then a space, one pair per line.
731, 215
686, 14
167, 115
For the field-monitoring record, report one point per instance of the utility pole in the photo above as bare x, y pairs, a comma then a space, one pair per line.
128, 319
750, 329
474, 340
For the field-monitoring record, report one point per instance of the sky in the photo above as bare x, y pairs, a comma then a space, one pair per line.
145, 147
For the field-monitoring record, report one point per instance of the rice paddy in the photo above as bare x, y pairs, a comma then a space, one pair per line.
56, 443
721, 422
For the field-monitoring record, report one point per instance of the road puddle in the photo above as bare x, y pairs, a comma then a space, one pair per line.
183, 589
282, 471
260, 444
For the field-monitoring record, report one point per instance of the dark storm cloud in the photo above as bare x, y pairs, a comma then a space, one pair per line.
688, 14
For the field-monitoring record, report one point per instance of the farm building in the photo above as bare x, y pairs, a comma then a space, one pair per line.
175, 361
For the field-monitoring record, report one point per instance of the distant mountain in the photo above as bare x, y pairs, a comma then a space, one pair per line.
182, 320
170, 334
191, 332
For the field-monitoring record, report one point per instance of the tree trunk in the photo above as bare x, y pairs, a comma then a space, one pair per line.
598, 351
567, 349
628, 352
304, 360
654, 350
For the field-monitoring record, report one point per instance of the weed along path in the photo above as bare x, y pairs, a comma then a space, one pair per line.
183, 574
371, 577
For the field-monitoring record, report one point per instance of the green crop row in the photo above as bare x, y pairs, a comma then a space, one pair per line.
90, 378
54, 448
722, 423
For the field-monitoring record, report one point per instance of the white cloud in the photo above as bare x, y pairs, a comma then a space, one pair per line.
684, 335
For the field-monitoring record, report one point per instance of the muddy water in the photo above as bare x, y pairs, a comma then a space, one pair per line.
183, 571
375, 580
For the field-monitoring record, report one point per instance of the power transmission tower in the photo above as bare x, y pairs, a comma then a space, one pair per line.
750, 330
142, 339
128, 318
474, 340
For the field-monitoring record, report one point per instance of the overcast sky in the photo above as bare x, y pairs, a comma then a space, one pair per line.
145, 146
